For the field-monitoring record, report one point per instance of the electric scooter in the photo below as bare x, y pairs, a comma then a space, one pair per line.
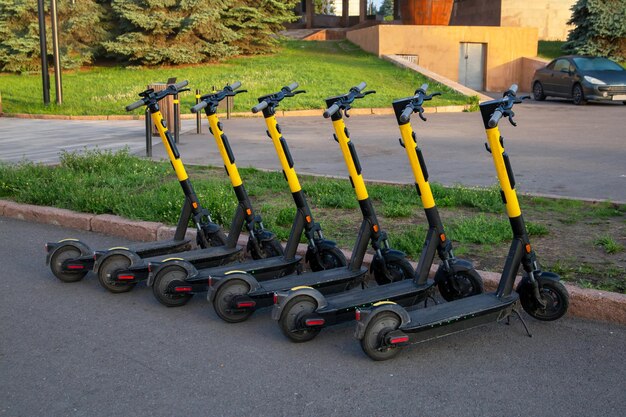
175, 281
120, 269
237, 295
384, 329
295, 310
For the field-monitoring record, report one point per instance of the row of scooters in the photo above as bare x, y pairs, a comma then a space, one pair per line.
334, 290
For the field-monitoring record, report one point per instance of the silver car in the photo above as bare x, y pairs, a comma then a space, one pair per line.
581, 78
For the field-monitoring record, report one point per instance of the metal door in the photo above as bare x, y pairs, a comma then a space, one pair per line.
472, 65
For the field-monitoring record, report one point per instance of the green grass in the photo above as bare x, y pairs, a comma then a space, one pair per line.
550, 49
609, 244
322, 68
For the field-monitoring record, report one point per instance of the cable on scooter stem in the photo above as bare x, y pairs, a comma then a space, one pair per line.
415, 106
506, 105
344, 102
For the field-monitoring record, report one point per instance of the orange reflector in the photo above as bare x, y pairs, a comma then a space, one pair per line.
249, 211
194, 204
528, 248
442, 237
375, 227
308, 219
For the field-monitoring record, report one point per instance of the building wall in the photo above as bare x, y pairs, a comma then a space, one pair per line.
438, 48
548, 16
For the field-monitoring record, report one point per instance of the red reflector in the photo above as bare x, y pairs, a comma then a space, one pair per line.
182, 289
46, 247
314, 322
275, 298
76, 267
126, 277
398, 339
209, 282
245, 304
357, 315
149, 267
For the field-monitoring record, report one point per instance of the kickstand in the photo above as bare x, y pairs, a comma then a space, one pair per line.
519, 316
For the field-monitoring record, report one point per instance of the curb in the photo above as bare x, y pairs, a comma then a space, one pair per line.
584, 303
282, 113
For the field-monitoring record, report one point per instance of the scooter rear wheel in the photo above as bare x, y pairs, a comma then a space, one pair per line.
552, 292
290, 321
223, 301
460, 284
329, 258
373, 342
61, 255
215, 239
162, 281
110, 265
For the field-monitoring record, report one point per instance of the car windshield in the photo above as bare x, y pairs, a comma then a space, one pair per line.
597, 64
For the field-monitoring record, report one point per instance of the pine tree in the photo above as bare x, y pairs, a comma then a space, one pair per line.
257, 21
386, 8
171, 31
600, 28
81, 29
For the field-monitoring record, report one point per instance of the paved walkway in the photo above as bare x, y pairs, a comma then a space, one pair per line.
557, 148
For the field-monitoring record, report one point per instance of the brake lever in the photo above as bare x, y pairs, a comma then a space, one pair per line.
239, 91
434, 94
368, 92
510, 115
298, 92
345, 111
183, 90
420, 112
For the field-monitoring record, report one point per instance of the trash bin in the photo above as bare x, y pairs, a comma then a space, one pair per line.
166, 105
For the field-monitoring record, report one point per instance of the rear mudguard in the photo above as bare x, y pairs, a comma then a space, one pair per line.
134, 258
187, 266
265, 236
320, 244
285, 296
368, 315
218, 281
55, 246
455, 266
388, 255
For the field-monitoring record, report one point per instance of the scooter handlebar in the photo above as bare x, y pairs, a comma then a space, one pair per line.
181, 84
495, 118
361, 86
235, 85
406, 114
135, 105
512, 89
332, 110
260, 106
199, 106
293, 86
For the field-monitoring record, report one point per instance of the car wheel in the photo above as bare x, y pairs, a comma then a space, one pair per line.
538, 91
578, 96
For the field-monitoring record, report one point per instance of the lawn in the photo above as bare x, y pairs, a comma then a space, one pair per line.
122, 184
322, 68
552, 49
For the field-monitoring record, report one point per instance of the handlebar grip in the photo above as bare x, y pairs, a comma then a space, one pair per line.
361, 86
293, 86
181, 84
513, 88
495, 118
235, 85
135, 105
332, 110
259, 106
199, 106
406, 114
424, 87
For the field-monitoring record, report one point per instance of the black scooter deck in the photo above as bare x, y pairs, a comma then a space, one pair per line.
406, 292
458, 315
261, 269
158, 248
326, 281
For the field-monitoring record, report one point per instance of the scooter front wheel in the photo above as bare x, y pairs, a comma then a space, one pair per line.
292, 318
109, 266
397, 270
215, 239
61, 255
373, 342
553, 294
161, 283
269, 249
459, 284
329, 258
223, 302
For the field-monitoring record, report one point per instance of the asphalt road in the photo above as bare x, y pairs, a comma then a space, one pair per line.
75, 349
557, 149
